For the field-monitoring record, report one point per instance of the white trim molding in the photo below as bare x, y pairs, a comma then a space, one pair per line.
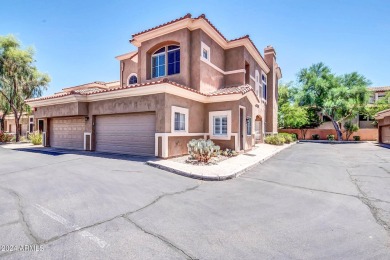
228, 114
244, 132
143, 91
220, 70
180, 110
164, 141
44, 139
85, 140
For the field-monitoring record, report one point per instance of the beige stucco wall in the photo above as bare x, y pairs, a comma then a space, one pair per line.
127, 67
181, 37
69, 109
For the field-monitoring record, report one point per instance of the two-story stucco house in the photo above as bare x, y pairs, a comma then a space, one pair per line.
185, 81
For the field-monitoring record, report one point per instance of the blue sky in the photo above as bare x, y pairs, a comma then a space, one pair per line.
76, 41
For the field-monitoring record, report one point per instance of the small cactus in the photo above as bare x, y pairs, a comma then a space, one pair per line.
202, 150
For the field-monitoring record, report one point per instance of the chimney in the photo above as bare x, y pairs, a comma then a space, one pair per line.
271, 117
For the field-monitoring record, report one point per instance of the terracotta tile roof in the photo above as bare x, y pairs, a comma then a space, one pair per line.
224, 91
386, 88
231, 90
162, 25
86, 90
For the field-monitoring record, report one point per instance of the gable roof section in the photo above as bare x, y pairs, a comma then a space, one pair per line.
382, 114
200, 22
379, 89
83, 95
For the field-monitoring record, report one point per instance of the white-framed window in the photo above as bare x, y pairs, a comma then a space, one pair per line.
179, 118
166, 61
220, 124
31, 124
205, 51
264, 85
132, 79
257, 83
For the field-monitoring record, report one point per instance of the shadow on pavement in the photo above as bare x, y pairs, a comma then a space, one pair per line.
58, 152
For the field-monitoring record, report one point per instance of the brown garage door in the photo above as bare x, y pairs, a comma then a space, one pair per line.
385, 135
67, 132
128, 134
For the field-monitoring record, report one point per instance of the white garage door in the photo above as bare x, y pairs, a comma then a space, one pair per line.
385, 135
129, 134
67, 132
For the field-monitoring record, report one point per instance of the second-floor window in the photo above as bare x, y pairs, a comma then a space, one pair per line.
264, 85
133, 79
166, 61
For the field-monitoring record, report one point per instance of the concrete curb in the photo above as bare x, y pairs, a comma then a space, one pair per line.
332, 142
216, 178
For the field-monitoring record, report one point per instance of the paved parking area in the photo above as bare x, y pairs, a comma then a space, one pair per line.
309, 201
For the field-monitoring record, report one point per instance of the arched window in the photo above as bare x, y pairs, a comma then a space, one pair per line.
166, 61
132, 79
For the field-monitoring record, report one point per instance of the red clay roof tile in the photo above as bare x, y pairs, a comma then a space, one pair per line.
224, 91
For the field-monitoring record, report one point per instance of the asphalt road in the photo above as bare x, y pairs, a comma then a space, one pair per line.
311, 201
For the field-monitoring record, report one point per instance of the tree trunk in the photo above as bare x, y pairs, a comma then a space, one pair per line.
303, 133
338, 130
2, 123
17, 125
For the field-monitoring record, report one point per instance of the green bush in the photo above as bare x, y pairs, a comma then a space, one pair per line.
275, 139
36, 138
288, 138
5, 138
315, 137
356, 137
330, 137
202, 150
294, 136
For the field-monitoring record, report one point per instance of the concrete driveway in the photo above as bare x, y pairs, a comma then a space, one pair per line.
310, 201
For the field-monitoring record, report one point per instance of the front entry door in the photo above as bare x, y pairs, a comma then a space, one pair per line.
241, 129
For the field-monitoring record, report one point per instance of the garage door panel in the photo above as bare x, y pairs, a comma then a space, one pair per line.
67, 133
129, 134
385, 134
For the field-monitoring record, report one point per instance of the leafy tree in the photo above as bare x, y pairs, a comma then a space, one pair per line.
286, 94
19, 77
4, 110
372, 109
350, 128
336, 97
293, 116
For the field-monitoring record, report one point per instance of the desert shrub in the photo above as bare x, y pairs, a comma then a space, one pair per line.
229, 153
275, 139
24, 139
330, 137
294, 136
288, 138
36, 138
356, 137
315, 137
202, 150
5, 138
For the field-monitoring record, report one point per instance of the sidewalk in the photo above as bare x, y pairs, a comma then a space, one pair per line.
19, 145
224, 170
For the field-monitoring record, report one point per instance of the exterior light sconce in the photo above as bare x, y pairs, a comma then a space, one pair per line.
86, 118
